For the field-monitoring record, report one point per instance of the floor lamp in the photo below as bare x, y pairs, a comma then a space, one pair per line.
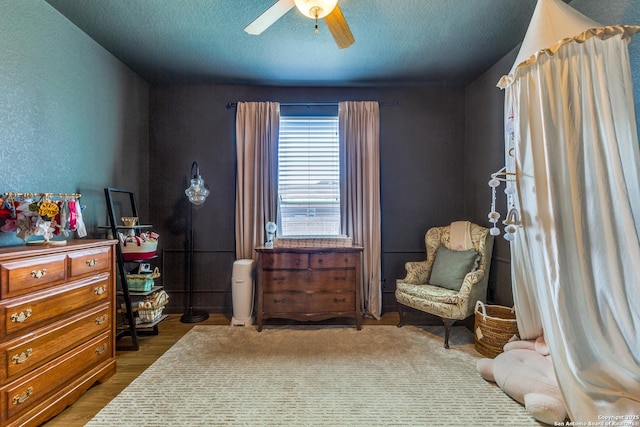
197, 194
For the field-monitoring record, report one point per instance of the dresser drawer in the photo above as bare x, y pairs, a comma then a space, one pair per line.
309, 303
334, 260
22, 355
82, 263
308, 280
289, 260
27, 312
23, 276
20, 396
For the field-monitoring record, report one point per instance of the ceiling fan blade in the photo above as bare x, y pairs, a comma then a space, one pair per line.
269, 16
339, 28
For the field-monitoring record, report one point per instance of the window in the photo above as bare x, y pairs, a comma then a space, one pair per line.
308, 176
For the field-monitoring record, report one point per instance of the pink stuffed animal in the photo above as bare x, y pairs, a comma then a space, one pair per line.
525, 372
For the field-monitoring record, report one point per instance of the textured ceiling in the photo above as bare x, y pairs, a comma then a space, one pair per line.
398, 42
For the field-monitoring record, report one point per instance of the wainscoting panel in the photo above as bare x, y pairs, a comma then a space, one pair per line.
211, 279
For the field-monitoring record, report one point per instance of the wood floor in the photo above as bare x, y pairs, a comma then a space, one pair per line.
130, 364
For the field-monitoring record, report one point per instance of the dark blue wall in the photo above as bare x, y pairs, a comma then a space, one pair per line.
421, 150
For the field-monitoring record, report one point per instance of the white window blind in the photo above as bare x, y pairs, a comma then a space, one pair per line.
308, 176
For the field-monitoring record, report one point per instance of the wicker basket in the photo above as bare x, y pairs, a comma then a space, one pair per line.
495, 326
150, 309
142, 282
150, 316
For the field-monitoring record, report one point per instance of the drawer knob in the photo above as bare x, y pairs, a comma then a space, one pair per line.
101, 349
21, 317
279, 279
20, 358
22, 397
336, 278
297, 262
100, 290
280, 301
339, 300
37, 274
92, 262
100, 320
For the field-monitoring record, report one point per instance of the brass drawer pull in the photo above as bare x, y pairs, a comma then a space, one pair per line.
21, 398
280, 301
37, 274
100, 290
92, 262
20, 358
101, 349
21, 317
100, 320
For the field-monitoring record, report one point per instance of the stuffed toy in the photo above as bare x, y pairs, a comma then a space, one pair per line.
524, 371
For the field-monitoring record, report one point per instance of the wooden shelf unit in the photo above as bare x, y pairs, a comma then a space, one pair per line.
131, 327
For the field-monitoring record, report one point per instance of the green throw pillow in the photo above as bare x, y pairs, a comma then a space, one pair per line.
450, 267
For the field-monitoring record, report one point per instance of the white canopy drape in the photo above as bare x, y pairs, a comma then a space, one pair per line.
573, 144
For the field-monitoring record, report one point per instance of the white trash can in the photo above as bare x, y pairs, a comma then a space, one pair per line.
242, 292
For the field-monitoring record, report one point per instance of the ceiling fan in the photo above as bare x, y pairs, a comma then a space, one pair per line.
314, 9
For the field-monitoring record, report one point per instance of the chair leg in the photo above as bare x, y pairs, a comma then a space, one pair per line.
447, 329
401, 314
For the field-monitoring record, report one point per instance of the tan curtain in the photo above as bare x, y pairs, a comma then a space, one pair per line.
257, 125
359, 124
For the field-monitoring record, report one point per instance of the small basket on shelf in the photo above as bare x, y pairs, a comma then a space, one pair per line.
151, 308
139, 247
142, 282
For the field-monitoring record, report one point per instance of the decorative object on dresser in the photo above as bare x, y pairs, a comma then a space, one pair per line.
197, 194
139, 306
271, 229
309, 283
57, 326
41, 215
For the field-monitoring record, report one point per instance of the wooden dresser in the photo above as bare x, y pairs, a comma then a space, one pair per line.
309, 283
57, 324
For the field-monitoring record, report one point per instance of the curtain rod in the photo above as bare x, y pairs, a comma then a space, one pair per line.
315, 104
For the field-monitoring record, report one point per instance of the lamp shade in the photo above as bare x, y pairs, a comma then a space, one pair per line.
197, 192
316, 8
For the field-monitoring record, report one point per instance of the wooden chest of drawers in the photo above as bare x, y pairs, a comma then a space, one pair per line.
57, 324
309, 283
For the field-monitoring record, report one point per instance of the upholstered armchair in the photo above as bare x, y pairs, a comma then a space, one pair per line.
450, 281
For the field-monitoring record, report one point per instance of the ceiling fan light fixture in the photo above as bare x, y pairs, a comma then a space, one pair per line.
316, 9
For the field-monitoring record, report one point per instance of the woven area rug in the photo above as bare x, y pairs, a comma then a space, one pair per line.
315, 376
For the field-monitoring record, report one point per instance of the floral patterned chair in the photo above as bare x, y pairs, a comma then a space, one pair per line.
443, 299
